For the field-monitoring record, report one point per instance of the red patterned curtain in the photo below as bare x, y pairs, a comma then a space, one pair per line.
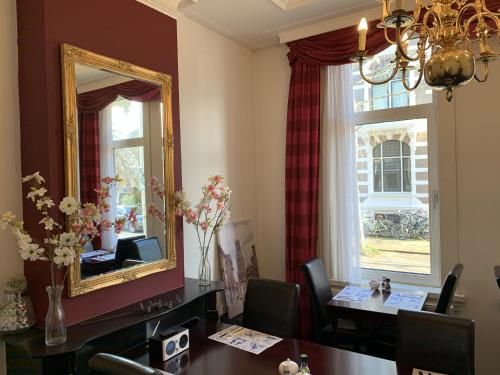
306, 57
88, 139
302, 177
97, 100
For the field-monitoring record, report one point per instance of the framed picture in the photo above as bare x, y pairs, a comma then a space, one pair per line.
238, 261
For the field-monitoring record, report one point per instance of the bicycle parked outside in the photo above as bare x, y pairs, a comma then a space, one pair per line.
403, 225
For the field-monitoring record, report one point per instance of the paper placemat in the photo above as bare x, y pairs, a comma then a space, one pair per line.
245, 339
406, 301
353, 294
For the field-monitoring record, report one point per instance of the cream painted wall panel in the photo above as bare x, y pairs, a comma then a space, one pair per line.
217, 123
478, 175
272, 77
10, 152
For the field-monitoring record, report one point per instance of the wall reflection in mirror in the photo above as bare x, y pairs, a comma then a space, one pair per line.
120, 133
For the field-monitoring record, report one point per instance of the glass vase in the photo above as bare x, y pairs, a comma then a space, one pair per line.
204, 271
16, 313
55, 330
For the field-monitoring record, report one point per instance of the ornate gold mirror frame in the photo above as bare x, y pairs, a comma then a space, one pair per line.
71, 55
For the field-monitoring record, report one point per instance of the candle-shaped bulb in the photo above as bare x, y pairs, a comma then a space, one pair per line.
362, 30
400, 4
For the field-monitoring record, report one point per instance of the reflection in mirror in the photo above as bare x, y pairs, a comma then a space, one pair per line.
120, 133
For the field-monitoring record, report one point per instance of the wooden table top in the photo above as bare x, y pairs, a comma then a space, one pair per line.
206, 357
374, 304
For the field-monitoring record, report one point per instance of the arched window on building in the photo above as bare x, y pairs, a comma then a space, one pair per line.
392, 167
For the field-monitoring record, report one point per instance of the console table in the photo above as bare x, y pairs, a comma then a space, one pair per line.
115, 332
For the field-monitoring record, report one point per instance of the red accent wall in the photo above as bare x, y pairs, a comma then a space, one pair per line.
122, 29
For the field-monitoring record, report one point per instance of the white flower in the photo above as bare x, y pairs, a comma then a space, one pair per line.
68, 205
35, 176
36, 193
48, 222
8, 217
45, 201
68, 239
32, 252
64, 255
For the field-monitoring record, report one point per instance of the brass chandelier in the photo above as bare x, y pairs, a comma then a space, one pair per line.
447, 29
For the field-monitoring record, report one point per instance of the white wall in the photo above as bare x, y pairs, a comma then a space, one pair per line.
469, 177
272, 77
478, 190
10, 156
217, 123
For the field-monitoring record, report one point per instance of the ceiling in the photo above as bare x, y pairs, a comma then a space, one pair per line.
257, 23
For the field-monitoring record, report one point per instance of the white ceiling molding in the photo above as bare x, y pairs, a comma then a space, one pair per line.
171, 8
291, 4
329, 25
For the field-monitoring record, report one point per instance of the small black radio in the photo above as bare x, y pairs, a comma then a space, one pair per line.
167, 344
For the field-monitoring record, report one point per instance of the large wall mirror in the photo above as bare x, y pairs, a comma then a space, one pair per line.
118, 121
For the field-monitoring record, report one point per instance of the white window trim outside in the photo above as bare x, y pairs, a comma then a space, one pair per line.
408, 113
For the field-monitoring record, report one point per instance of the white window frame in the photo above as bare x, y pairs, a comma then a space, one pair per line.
409, 113
152, 131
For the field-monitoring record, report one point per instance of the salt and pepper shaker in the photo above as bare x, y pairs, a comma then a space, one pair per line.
387, 287
288, 367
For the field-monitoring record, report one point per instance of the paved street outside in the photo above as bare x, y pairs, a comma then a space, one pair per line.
396, 255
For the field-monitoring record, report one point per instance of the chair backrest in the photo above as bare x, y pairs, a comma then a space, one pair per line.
448, 290
436, 342
147, 249
124, 248
109, 364
271, 307
319, 291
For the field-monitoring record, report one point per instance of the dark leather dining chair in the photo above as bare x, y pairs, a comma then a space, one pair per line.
146, 250
109, 364
271, 307
435, 342
124, 248
448, 290
319, 293
342, 333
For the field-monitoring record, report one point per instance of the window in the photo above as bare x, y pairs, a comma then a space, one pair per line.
137, 154
397, 177
127, 128
391, 167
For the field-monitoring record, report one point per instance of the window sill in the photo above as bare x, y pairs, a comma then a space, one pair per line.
430, 304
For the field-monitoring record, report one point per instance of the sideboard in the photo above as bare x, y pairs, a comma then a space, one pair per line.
114, 332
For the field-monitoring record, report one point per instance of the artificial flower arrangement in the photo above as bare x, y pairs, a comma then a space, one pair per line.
207, 216
59, 247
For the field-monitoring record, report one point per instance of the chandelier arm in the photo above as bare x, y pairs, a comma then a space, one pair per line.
486, 73
419, 79
487, 10
469, 20
464, 31
372, 82
421, 50
387, 36
425, 21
